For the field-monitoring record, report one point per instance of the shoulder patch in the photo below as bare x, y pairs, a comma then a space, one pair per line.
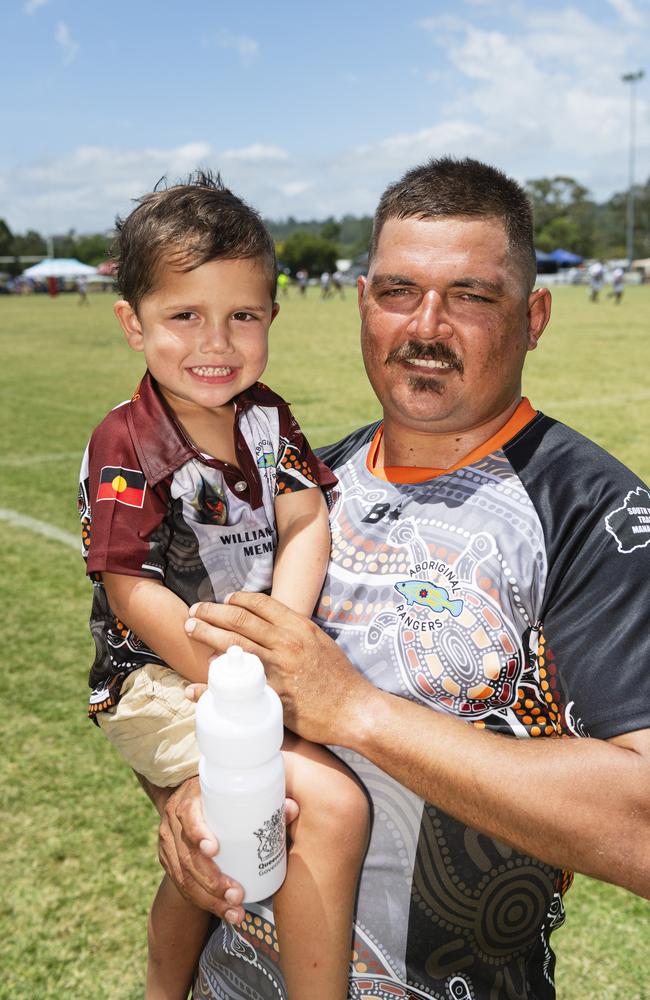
127, 486
630, 523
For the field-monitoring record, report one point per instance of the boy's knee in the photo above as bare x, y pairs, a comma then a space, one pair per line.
344, 811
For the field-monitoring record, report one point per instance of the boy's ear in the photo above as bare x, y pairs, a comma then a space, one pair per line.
128, 320
275, 310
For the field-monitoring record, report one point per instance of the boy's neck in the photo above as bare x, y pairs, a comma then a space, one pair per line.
210, 431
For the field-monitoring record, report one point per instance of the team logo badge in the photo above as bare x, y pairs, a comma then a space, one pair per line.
266, 460
127, 486
630, 523
430, 596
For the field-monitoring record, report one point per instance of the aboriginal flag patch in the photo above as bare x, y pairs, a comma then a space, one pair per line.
124, 485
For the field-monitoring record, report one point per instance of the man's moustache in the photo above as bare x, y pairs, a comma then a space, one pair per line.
413, 350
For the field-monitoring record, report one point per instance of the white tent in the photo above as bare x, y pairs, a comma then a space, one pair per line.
59, 267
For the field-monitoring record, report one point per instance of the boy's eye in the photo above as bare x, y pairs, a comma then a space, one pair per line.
242, 315
184, 316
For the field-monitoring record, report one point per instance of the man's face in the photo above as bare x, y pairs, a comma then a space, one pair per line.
446, 321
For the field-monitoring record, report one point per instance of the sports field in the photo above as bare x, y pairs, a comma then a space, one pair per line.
78, 863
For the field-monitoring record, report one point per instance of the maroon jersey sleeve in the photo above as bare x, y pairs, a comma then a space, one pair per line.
123, 510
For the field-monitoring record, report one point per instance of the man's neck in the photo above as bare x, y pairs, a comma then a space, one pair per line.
432, 449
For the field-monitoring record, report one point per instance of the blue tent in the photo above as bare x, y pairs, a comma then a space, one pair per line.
546, 262
566, 259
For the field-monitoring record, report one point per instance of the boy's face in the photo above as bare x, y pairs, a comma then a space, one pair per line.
204, 333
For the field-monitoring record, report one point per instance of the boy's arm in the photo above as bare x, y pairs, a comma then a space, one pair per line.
303, 549
157, 616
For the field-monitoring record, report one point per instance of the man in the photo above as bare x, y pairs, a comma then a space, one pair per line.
484, 610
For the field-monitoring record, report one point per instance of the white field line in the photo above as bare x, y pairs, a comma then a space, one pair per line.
19, 460
40, 528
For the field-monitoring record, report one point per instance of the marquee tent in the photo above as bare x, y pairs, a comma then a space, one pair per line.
565, 258
59, 267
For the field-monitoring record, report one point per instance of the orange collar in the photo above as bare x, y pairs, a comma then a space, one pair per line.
407, 474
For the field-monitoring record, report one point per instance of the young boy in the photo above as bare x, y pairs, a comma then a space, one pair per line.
184, 491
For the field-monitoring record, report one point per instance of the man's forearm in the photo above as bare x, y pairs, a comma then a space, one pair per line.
581, 804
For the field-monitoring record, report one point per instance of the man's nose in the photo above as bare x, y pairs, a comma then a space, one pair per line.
429, 321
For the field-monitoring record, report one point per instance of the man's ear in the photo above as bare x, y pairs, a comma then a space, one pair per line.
128, 320
361, 290
539, 313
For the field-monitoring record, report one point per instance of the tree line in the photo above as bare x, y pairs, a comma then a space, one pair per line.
566, 216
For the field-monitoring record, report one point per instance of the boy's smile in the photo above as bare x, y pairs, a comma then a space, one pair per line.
204, 333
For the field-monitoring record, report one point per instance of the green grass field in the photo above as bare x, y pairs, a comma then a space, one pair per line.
78, 863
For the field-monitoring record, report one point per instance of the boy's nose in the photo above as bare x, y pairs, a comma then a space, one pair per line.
214, 337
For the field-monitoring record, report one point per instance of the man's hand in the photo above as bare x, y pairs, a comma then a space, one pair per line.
322, 694
186, 849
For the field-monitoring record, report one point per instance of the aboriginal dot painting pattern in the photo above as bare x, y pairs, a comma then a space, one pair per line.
538, 705
291, 469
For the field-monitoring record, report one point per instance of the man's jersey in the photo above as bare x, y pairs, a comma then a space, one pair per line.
512, 593
151, 505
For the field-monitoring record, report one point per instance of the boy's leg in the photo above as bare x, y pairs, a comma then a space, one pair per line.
176, 934
314, 908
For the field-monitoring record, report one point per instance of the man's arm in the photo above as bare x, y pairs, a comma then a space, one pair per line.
582, 804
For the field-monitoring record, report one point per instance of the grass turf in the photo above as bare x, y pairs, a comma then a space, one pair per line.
77, 841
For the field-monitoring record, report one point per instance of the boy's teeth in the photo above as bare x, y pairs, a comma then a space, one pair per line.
208, 371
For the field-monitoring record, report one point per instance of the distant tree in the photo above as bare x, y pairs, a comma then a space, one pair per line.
305, 250
560, 232
331, 230
6, 239
93, 248
611, 224
562, 198
30, 244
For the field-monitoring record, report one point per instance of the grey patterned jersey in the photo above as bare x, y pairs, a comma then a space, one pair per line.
490, 593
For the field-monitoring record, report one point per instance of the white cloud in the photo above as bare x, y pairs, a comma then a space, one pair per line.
294, 188
65, 40
31, 6
257, 152
246, 47
547, 91
628, 12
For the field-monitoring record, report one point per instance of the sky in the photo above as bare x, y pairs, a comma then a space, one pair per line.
308, 109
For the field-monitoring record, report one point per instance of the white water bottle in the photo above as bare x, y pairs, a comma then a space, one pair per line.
239, 732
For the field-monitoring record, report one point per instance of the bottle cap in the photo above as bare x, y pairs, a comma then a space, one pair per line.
236, 675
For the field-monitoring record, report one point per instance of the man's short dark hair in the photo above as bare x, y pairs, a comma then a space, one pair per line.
186, 225
448, 187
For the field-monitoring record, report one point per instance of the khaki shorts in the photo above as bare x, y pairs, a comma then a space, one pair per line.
153, 726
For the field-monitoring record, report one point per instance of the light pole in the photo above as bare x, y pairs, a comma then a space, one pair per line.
632, 79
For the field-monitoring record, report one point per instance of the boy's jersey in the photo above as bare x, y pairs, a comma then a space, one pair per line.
512, 593
151, 505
